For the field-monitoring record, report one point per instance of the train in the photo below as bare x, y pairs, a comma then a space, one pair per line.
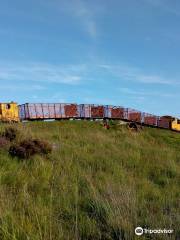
12, 112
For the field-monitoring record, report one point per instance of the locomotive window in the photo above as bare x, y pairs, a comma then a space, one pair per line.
178, 121
8, 106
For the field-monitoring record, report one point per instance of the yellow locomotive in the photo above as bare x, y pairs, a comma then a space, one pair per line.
175, 125
9, 112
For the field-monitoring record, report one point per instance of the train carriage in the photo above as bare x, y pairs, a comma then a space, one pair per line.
117, 113
165, 122
134, 115
149, 119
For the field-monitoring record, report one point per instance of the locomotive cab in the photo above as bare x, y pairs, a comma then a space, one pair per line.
175, 125
9, 112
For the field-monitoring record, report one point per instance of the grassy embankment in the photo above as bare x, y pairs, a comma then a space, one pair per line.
96, 184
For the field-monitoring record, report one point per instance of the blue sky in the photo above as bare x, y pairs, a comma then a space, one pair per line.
108, 52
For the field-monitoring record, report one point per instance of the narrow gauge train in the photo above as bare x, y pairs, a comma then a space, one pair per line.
12, 112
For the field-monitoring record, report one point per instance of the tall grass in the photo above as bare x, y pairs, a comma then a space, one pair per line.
96, 184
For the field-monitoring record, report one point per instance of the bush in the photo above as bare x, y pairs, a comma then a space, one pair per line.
10, 133
43, 146
29, 147
17, 151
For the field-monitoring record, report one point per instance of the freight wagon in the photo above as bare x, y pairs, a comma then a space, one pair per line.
38, 111
42, 111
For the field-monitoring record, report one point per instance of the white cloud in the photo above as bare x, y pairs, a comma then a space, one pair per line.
39, 72
134, 74
36, 75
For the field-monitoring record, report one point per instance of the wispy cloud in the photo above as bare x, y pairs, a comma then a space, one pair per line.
39, 72
145, 93
135, 74
21, 87
86, 16
75, 74
83, 12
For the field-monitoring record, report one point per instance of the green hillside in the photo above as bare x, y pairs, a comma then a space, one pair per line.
96, 184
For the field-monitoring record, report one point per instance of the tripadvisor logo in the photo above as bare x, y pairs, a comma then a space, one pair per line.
140, 231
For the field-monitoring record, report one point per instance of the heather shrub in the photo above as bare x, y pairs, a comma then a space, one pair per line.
43, 146
17, 151
30, 147
10, 133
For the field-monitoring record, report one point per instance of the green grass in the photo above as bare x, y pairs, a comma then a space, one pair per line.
96, 184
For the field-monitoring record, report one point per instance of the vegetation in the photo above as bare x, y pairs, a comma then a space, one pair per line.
95, 184
30, 147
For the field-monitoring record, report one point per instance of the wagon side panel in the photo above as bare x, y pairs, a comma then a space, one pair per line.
108, 111
62, 110
22, 115
45, 110
31, 109
39, 111
150, 120
71, 110
57, 108
117, 112
52, 114
134, 116
164, 123
87, 111
97, 111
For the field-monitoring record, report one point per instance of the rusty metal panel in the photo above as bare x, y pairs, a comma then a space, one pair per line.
134, 115
150, 119
164, 123
117, 112
51, 107
45, 110
71, 110
97, 111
